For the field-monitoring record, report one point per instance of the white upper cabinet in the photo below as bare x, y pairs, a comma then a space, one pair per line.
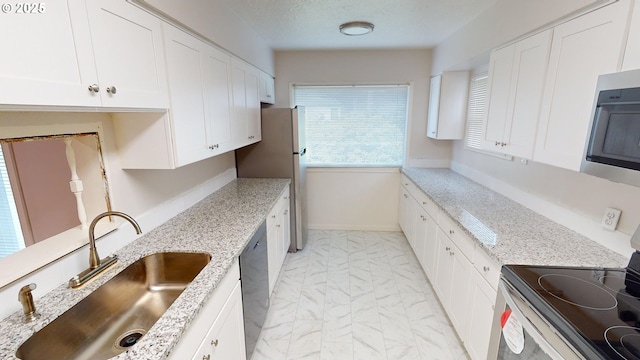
245, 114
199, 79
632, 50
217, 94
448, 97
198, 125
184, 55
581, 50
77, 53
47, 57
516, 74
127, 43
267, 88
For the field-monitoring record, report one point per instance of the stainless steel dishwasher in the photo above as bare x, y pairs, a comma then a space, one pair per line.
254, 278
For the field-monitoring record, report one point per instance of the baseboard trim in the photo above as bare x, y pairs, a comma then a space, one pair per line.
354, 227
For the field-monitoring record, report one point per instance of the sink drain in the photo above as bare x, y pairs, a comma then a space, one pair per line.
129, 338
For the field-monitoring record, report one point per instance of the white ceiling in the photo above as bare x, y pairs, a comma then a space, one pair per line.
313, 24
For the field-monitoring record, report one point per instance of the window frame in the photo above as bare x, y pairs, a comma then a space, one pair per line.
409, 112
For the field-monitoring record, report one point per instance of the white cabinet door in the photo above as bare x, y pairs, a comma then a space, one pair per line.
273, 248
407, 214
448, 105
571, 79
184, 55
278, 237
225, 339
444, 268
420, 234
286, 228
461, 277
500, 72
267, 88
530, 60
481, 310
245, 127
47, 57
217, 93
219, 319
517, 74
127, 44
430, 253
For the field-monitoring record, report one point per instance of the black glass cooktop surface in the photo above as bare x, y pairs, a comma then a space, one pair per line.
596, 309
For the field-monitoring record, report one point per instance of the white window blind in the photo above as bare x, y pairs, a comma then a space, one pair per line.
10, 232
354, 125
476, 111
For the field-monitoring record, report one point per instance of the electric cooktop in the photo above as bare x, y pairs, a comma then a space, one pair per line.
596, 309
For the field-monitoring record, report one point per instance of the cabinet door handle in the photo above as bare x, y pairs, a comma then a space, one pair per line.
451, 253
207, 357
447, 248
497, 143
214, 342
94, 88
451, 232
485, 268
111, 90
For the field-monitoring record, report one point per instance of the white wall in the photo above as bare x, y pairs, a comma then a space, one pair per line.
503, 22
362, 198
369, 67
220, 24
575, 200
353, 198
150, 196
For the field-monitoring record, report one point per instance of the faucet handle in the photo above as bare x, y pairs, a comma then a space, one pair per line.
26, 298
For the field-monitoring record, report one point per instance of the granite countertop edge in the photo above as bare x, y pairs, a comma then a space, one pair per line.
507, 231
221, 225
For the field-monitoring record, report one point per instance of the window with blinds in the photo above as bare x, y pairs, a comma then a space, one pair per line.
354, 125
476, 111
10, 232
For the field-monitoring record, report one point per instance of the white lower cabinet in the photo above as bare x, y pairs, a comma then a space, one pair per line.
464, 276
278, 237
481, 308
453, 278
218, 330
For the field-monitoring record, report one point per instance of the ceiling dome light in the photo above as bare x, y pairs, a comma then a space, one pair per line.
356, 28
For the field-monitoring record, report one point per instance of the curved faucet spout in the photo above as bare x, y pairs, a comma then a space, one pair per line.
94, 259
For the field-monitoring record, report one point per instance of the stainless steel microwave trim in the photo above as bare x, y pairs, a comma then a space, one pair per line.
621, 80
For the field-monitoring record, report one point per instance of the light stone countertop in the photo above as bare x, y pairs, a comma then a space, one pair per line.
506, 230
221, 225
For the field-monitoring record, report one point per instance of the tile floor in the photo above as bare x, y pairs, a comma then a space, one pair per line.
355, 295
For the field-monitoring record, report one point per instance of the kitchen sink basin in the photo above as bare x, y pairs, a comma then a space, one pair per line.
117, 314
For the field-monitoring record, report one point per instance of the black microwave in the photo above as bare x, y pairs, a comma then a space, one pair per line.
612, 150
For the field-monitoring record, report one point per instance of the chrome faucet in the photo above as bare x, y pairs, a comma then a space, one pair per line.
26, 299
96, 265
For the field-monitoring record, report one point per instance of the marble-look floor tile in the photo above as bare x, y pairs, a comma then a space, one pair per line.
356, 295
336, 351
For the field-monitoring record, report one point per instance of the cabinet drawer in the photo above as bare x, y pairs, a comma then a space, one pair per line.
487, 267
426, 203
456, 235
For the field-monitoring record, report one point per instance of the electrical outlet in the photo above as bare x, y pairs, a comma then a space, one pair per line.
611, 218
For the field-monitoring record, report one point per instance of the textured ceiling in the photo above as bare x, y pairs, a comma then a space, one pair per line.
313, 24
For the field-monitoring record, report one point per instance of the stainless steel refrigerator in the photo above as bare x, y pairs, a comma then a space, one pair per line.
281, 154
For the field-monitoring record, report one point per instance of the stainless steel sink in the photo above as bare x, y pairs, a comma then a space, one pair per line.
117, 314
